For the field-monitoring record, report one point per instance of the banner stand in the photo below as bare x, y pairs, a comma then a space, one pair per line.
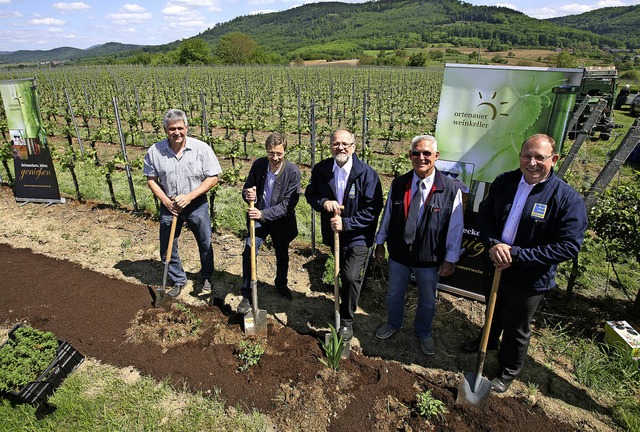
35, 175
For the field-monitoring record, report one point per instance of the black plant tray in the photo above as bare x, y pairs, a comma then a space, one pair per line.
37, 392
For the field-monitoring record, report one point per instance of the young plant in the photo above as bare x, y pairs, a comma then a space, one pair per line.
332, 350
25, 356
191, 318
249, 353
427, 406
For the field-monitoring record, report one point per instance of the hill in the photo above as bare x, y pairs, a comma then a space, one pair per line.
64, 54
621, 23
334, 30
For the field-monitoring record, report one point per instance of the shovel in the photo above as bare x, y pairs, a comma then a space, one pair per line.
336, 292
475, 390
255, 321
162, 291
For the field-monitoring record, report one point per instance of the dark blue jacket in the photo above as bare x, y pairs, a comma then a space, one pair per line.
551, 229
362, 202
279, 219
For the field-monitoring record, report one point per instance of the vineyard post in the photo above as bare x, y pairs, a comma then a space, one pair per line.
364, 124
204, 128
144, 137
124, 155
313, 162
299, 125
75, 124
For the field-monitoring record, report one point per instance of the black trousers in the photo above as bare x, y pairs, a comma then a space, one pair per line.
512, 316
352, 259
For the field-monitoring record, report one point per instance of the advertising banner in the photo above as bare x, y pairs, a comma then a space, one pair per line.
35, 175
485, 114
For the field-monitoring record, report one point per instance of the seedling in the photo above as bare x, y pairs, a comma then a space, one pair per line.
249, 353
427, 406
332, 350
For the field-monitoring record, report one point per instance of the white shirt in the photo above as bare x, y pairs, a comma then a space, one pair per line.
511, 225
456, 221
341, 174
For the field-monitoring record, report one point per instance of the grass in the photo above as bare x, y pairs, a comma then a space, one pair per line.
99, 397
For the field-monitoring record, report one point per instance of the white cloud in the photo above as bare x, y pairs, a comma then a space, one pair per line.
132, 7
177, 11
71, 6
574, 9
610, 3
5, 1
130, 14
45, 21
261, 2
12, 14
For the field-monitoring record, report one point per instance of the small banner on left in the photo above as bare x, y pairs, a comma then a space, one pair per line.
35, 175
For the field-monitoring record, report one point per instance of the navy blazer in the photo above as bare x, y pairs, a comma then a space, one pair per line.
279, 219
551, 228
362, 202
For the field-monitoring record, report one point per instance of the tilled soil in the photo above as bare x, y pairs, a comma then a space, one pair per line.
97, 299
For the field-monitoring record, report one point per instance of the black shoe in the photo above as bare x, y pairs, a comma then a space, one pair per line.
285, 292
474, 345
346, 333
244, 307
500, 385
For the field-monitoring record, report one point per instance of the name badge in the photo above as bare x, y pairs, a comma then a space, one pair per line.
352, 192
539, 211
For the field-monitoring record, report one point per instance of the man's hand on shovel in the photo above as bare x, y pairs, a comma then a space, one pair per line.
253, 212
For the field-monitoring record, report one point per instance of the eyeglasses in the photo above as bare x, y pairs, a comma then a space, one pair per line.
537, 158
417, 153
274, 154
450, 174
338, 144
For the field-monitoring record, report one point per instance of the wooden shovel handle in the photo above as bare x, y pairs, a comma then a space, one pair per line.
172, 235
252, 237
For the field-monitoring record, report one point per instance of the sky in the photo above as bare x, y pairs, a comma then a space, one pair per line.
45, 24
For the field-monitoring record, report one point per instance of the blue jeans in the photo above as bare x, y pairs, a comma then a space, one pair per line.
196, 215
427, 281
281, 248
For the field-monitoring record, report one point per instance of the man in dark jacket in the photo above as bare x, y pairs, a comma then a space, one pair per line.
348, 195
530, 222
273, 184
422, 225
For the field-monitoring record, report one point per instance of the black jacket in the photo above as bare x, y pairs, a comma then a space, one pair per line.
429, 247
280, 218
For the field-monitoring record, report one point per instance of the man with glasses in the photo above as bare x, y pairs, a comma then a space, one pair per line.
273, 184
348, 194
530, 222
422, 226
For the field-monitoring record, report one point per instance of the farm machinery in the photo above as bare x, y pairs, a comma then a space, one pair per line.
593, 110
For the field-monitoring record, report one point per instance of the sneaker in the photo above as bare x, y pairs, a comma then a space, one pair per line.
346, 333
206, 286
427, 345
385, 331
244, 307
285, 292
175, 291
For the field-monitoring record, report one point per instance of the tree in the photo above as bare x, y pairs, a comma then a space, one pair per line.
236, 48
564, 60
194, 51
417, 60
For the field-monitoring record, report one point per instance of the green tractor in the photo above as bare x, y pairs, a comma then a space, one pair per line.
597, 83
